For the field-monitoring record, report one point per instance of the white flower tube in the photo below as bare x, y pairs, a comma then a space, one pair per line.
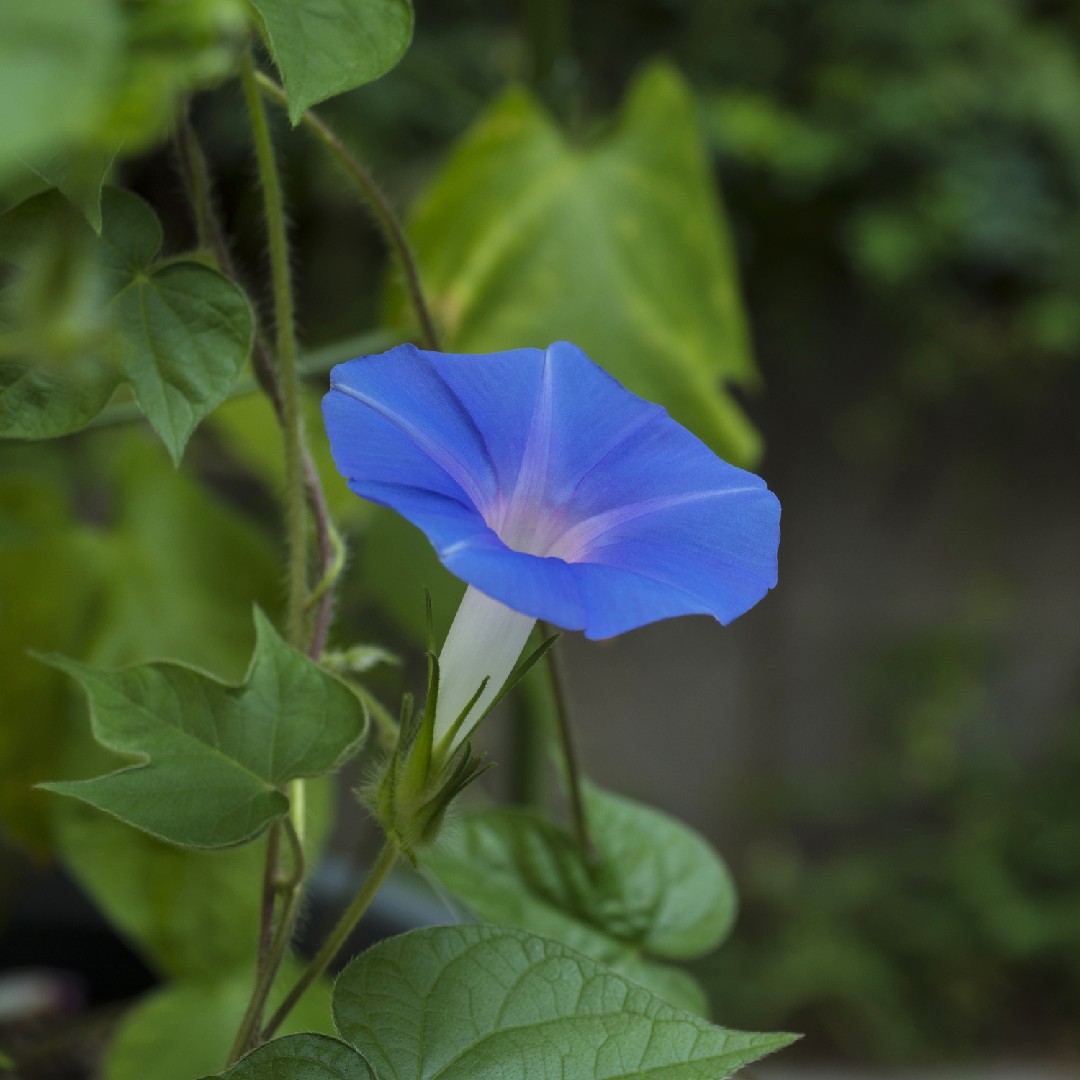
485, 641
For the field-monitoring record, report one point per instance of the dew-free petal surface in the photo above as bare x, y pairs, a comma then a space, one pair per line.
547, 485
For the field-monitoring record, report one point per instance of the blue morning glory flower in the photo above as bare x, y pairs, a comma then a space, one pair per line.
554, 492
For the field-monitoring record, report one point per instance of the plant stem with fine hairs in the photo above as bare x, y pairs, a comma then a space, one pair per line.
377, 202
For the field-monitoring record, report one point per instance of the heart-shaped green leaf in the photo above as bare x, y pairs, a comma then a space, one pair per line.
176, 330
656, 890
620, 247
484, 1003
325, 47
212, 758
185, 333
300, 1057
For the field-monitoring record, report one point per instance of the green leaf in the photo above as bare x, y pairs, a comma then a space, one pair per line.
300, 1057
56, 65
483, 1002
186, 333
190, 914
174, 547
657, 889
325, 47
51, 576
171, 50
176, 330
621, 247
211, 758
42, 400
98, 593
54, 378
185, 1029
130, 237
79, 176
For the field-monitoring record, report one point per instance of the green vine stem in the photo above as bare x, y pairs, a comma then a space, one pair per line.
382, 866
331, 551
285, 348
376, 201
568, 750
196, 179
272, 945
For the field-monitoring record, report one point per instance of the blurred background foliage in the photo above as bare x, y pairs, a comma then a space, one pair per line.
901, 185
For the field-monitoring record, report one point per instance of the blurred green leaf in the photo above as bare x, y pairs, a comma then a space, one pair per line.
55, 374
656, 890
622, 248
79, 176
190, 914
533, 1009
56, 65
397, 563
185, 1029
177, 330
43, 400
173, 572
171, 49
325, 47
210, 759
300, 1057
50, 584
174, 547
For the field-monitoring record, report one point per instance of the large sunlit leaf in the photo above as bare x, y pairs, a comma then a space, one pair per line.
301, 1057
211, 759
620, 247
480, 1003
325, 47
656, 889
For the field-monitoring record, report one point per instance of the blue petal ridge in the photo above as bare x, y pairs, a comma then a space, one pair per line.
546, 484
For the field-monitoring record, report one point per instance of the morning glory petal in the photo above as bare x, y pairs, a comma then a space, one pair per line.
547, 485
544, 588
